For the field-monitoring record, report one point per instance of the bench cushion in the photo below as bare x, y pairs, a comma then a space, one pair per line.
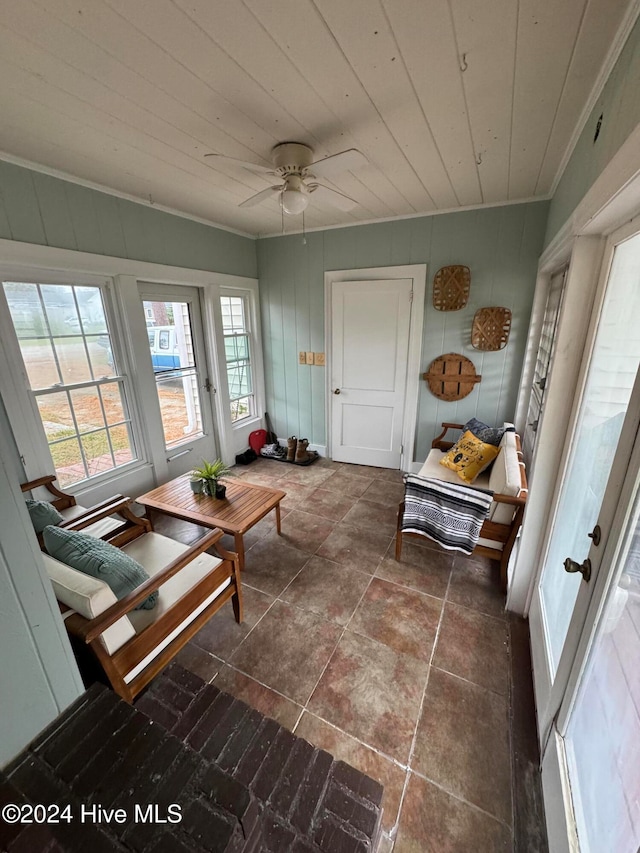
505, 478
99, 559
89, 597
155, 552
98, 528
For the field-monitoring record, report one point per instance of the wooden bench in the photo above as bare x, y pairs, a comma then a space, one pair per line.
508, 481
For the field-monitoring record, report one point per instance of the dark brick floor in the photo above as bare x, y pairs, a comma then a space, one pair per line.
238, 781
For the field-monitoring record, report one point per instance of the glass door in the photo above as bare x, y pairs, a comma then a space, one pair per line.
575, 546
598, 725
177, 352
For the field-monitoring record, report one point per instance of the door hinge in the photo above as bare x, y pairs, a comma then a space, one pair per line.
401, 449
411, 295
208, 386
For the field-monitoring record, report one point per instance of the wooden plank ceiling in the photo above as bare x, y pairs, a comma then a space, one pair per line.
453, 102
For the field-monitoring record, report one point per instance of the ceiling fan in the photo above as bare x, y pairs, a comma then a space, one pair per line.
293, 163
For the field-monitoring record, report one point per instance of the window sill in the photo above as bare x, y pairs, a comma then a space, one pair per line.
253, 421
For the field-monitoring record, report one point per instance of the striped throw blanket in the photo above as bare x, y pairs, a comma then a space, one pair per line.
452, 515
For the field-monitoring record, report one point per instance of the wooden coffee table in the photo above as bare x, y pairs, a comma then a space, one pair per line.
244, 505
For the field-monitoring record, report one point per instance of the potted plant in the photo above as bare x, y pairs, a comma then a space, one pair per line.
209, 474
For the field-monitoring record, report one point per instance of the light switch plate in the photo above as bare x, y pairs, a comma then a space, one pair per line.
309, 358
319, 359
302, 358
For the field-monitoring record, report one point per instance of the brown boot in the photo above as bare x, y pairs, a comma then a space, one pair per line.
301, 451
292, 445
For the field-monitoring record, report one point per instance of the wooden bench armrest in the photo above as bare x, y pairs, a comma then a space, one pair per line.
96, 513
514, 500
446, 426
41, 481
97, 626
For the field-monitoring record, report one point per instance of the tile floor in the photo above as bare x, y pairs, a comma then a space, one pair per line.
401, 669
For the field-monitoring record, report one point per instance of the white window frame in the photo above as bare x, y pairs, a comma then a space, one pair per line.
20, 401
248, 333
234, 436
21, 261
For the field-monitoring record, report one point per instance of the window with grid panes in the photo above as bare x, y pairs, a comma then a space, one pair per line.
73, 375
543, 362
237, 347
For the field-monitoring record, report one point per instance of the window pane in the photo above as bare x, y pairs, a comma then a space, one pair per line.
72, 357
113, 403
101, 356
92, 315
232, 308
39, 363
26, 309
180, 408
67, 460
170, 340
241, 408
88, 412
97, 452
239, 381
236, 347
61, 309
122, 444
56, 416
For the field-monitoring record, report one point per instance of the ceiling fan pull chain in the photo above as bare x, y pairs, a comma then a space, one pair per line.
304, 233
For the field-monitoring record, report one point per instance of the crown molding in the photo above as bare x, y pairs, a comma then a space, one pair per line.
426, 213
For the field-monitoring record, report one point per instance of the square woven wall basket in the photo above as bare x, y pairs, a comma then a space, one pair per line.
451, 287
490, 330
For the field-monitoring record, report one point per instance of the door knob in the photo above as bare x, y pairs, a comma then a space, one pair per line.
584, 568
337, 391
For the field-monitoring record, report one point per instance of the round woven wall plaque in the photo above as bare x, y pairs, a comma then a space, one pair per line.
451, 377
451, 288
490, 330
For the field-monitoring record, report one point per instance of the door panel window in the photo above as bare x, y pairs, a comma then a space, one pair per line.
612, 371
176, 372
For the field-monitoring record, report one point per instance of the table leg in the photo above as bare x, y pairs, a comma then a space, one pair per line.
239, 546
278, 528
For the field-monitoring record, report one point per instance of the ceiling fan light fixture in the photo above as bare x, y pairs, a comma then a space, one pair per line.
293, 201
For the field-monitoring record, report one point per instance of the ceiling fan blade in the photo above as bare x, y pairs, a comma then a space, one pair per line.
246, 164
339, 200
345, 161
261, 196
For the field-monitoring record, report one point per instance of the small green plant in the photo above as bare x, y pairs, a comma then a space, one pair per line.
211, 470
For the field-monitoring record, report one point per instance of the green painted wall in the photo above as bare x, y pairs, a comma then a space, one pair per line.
36, 208
501, 245
619, 104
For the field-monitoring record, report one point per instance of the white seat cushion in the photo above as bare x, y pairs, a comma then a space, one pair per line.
154, 552
98, 528
89, 597
433, 468
505, 478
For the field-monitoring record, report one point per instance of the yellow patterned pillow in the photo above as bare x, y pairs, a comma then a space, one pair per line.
469, 457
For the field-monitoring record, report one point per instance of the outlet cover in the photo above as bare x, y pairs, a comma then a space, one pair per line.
302, 358
319, 359
309, 358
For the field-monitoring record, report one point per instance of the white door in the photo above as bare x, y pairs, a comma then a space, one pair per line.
183, 433
591, 766
595, 461
370, 340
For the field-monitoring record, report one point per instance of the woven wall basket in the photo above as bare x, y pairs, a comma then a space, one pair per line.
490, 330
451, 287
451, 377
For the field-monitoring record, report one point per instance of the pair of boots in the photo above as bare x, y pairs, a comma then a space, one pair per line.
297, 449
